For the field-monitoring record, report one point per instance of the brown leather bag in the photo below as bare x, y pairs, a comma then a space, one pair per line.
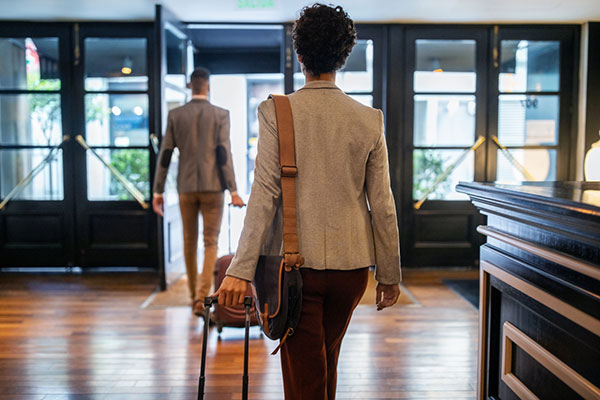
277, 285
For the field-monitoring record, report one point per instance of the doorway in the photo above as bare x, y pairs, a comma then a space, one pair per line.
75, 127
481, 103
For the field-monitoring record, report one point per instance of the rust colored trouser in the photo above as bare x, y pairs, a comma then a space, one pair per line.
210, 204
309, 357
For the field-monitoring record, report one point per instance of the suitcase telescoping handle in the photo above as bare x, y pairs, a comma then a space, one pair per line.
208, 302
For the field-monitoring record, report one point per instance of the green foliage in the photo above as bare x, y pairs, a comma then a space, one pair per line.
45, 108
96, 108
133, 164
428, 165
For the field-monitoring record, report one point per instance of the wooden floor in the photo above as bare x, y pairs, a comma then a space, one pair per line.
86, 337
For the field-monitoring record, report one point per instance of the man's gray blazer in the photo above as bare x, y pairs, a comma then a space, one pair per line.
196, 128
343, 171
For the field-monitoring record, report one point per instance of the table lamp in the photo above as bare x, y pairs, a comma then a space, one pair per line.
592, 162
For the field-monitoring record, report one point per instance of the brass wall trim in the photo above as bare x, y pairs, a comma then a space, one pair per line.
544, 252
582, 319
512, 335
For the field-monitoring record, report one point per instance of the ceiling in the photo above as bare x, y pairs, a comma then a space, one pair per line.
431, 11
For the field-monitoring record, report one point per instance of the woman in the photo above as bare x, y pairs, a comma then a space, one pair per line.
342, 163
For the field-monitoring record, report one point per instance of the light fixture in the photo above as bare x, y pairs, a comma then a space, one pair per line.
127, 67
592, 162
435, 65
116, 110
137, 110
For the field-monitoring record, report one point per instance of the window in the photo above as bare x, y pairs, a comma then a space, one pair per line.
444, 84
30, 118
355, 77
116, 116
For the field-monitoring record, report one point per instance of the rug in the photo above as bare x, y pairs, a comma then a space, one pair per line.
468, 289
177, 295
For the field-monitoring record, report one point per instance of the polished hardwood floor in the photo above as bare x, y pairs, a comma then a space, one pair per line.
86, 337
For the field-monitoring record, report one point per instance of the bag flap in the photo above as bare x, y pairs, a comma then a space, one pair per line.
267, 283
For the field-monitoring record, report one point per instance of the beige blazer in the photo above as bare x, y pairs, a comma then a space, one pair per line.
343, 170
196, 129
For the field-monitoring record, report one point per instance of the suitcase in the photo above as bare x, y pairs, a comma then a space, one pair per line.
229, 316
208, 302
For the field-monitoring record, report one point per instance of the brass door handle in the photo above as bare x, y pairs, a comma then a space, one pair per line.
448, 171
36, 170
133, 191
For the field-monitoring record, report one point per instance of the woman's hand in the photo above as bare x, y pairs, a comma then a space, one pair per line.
232, 291
387, 295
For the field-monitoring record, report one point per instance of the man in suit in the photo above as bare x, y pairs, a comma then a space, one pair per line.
200, 131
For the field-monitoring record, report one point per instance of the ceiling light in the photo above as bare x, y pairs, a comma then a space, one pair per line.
137, 110
435, 65
116, 110
127, 67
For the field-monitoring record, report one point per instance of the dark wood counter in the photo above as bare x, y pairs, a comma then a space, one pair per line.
539, 290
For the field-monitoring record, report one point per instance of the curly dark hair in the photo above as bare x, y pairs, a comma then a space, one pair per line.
323, 37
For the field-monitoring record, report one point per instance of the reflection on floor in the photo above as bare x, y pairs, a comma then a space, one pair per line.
87, 337
177, 295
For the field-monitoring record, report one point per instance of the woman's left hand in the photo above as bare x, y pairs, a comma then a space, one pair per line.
232, 291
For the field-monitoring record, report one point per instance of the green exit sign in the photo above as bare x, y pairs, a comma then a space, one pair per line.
255, 4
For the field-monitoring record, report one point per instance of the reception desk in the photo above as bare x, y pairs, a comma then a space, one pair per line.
539, 317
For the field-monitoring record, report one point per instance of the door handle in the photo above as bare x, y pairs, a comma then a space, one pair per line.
154, 142
130, 187
515, 163
448, 171
32, 174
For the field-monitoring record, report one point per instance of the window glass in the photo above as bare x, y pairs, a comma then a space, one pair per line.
365, 99
251, 90
444, 120
29, 64
540, 163
445, 66
30, 119
115, 64
356, 76
133, 164
429, 165
116, 119
15, 165
532, 66
528, 120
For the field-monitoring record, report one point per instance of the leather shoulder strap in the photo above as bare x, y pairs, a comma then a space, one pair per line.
289, 171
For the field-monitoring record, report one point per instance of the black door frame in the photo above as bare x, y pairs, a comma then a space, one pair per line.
139, 253
31, 216
71, 216
400, 120
449, 252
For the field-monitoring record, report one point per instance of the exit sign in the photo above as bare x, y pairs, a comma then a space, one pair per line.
255, 4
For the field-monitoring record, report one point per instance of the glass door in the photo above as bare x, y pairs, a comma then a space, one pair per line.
175, 64
444, 143
112, 113
35, 225
532, 89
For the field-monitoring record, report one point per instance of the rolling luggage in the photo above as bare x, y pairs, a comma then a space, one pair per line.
229, 316
208, 302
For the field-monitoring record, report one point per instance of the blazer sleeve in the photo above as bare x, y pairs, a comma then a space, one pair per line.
264, 196
383, 213
224, 141
164, 157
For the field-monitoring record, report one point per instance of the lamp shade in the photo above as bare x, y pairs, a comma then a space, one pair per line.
591, 163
